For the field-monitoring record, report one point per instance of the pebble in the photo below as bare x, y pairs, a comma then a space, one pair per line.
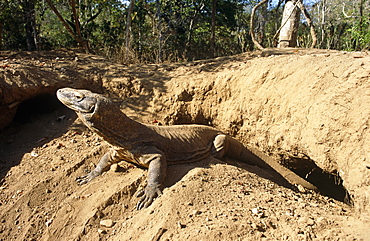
322, 221
107, 223
48, 222
195, 212
306, 221
301, 189
114, 167
258, 212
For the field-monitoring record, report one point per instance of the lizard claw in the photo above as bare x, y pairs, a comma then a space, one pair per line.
148, 195
82, 180
85, 179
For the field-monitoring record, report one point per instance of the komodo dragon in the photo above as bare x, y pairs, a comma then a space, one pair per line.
155, 147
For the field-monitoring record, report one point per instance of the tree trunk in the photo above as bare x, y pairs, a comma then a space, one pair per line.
128, 42
29, 13
75, 18
213, 29
159, 29
361, 12
191, 30
1, 34
289, 25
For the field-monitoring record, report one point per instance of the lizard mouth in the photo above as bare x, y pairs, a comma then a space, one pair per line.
92, 110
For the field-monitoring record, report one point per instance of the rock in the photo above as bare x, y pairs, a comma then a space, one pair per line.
301, 189
306, 221
322, 221
258, 212
195, 212
114, 167
48, 222
108, 223
181, 225
184, 96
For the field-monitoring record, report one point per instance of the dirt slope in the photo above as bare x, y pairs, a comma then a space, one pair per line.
24, 75
296, 107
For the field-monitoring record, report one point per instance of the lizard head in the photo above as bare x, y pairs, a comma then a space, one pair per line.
96, 111
93, 109
82, 101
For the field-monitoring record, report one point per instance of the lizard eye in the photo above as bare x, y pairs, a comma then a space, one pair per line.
79, 97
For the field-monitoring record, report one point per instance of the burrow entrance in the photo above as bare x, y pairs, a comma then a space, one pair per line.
31, 109
329, 184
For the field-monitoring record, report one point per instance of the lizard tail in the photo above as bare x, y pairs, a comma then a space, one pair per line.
236, 150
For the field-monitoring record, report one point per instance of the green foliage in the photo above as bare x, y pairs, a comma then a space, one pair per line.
176, 30
181, 27
13, 32
360, 34
341, 24
52, 34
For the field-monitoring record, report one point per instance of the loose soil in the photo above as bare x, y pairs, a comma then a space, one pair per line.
308, 109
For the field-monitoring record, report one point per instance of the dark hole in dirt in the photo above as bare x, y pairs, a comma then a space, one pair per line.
329, 184
30, 110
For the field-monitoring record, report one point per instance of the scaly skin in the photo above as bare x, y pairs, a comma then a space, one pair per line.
154, 147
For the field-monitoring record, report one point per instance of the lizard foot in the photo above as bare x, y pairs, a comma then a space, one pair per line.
148, 195
87, 178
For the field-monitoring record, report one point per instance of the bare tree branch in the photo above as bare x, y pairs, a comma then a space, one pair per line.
344, 13
309, 22
258, 45
93, 17
65, 24
77, 38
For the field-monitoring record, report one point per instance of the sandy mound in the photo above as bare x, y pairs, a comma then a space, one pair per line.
308, 110
26, 75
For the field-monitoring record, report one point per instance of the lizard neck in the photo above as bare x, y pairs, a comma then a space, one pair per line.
113, 125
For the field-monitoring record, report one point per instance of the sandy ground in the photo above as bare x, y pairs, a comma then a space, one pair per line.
272, 102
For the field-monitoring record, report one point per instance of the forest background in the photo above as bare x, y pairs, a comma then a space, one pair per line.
154, 31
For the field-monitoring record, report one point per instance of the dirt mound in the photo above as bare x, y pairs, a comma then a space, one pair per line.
298, 107
307, 110
31, 77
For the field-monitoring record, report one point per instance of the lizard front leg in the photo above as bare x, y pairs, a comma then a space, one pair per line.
103, 164
156, 174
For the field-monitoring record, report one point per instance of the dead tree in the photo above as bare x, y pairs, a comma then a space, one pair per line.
289, 24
